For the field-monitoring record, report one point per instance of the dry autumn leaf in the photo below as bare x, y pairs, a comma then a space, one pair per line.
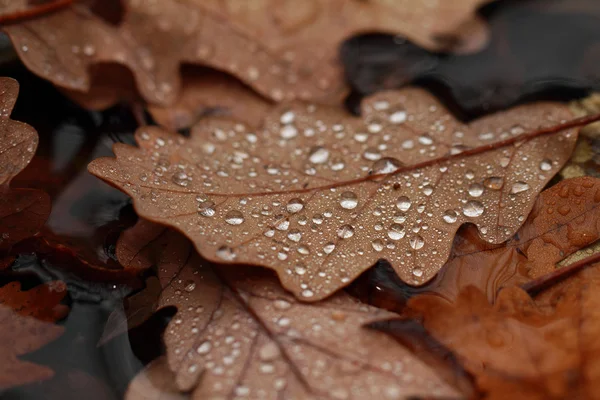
284, 50
320, 196
22, 211
25, 319
241, 336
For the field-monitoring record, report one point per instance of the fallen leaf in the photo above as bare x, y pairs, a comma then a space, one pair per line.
211, 93
283, 50
503, 73
245, 336
22, 211
12, 11
320, 196
521, 347
25, 319
563, 221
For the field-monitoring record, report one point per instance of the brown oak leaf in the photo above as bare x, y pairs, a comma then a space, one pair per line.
25, 317
320, 196
522, 347
564, 220
22, 211
242, 335
283, 49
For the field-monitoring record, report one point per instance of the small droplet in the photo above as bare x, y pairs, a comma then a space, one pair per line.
386, 165
371, 154
416, 242
318, 155
204, 348
450, 216
206, 208
473, 208
294, 235
396, 232
329, 247
226, 253
428, 190
307, 293
287, 117
519, 187
398, 117
418, 272
269, 352
288, 132
348, 200
345, 231
282, 304
403, 203
295, 205
190, 286
425, 140
234, 217
546, 165
300, 269
377, 244
180, 178
475, 190
494, 183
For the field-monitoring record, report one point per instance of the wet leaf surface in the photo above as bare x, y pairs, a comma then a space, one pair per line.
563, 220
27, 324
281, 49
320, 196
22, 211
243, 335
509, 69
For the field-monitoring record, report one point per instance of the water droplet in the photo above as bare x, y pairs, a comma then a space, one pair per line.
283, 224
190, 286
317, 219
282, 304
269, 352
546, 165
234, 217
318, 155
180, 178
396, 232
287, 117
371, 154
425, 140
206, 208
450, 216
226, 253
294, 235
418, 272
398, 117
427, 190
329, 247
475, 190
416, 242
345, 231
348, 200
307, 293
300, 269
473, 208
386, 165
519, 187
295, 205
204, 348
494, 183
403, 203
288, 132
377, 244
283, 322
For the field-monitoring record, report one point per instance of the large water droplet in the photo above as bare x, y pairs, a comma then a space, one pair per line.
287, 117
180, 178
450, 216
345, 231
204, 347
398, 117
234, 217
295, 205
473, 208
226, 253
294, 235
428, 190
288, 132
519, 187
318, 155
403, 203
475, 189
329, 247
396, 232
348, 200
377, 244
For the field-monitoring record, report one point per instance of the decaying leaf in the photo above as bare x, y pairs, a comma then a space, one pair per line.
320, 196
22, 211
523, 348
237, 335
25, 319
284, 50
